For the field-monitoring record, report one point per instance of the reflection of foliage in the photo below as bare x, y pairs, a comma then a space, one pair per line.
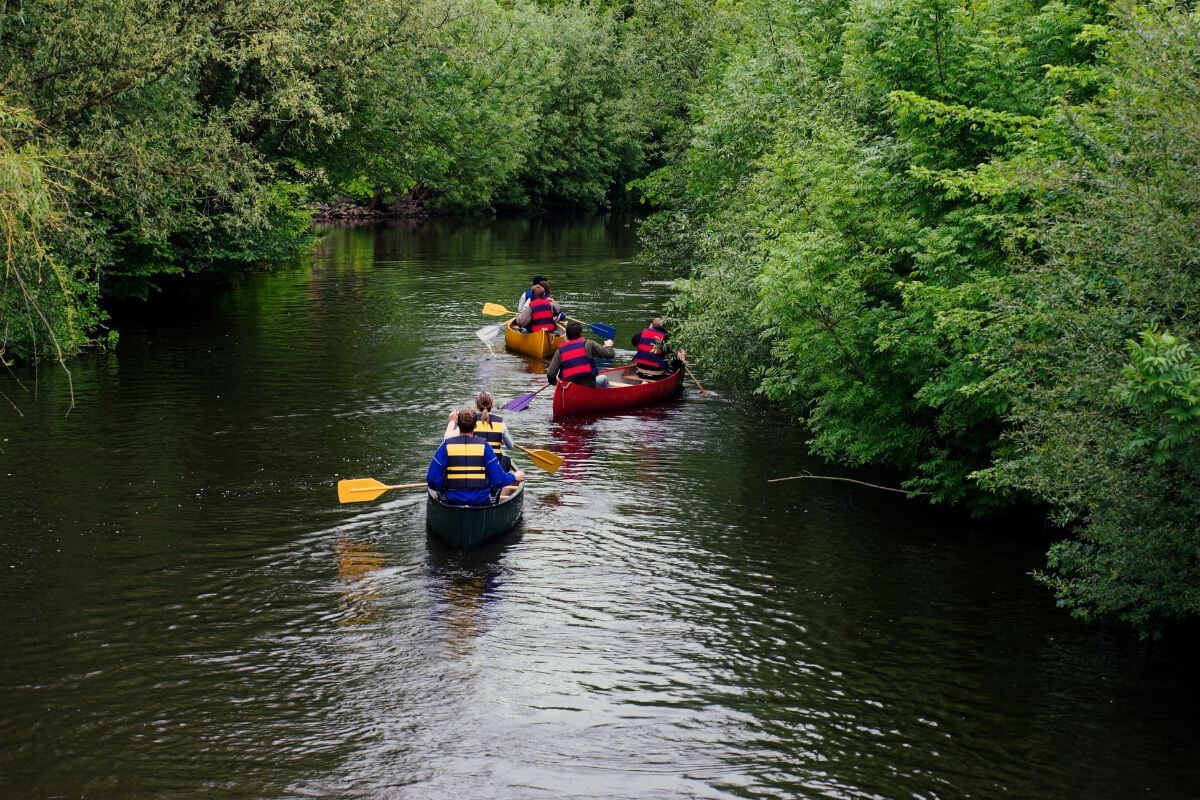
932, 227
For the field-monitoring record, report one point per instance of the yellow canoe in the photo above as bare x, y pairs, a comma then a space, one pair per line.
539, 345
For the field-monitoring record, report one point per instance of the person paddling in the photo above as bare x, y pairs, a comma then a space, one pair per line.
488, 425
465, 469
575, 359
540, 315
654, 359
528, 293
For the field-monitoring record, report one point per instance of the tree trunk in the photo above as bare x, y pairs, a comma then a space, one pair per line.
376, 203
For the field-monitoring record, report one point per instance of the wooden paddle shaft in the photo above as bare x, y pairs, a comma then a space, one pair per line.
382, 488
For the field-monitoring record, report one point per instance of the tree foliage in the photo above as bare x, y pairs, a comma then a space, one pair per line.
189, 138
961, 240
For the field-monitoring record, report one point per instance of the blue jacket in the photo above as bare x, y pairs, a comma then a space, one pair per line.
497, 478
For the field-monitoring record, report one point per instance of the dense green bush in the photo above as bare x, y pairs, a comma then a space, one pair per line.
934, 230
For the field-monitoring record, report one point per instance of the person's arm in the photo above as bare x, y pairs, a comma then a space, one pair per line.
636, 340
601, 350
558, 312
436, 476
452, 426
496, 476
523, 317
524, 301
506, 437
555, 366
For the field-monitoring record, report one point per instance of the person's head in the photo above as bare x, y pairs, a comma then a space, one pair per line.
538, 279
574, 330
657, 322
466, 421
538, 291
545, 286
483, 404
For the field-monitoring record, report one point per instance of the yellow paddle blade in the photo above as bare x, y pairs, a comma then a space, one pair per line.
497, 310
360, 490
544, 459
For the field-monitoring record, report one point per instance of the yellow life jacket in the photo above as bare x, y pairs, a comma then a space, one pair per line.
492, 431
466, 463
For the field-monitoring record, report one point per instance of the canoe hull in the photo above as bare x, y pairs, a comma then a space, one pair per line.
571, 399
465, 527
539, 345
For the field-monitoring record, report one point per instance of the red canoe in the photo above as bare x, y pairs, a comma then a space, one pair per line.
625, 390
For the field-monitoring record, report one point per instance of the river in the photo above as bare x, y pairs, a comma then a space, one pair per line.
189, 612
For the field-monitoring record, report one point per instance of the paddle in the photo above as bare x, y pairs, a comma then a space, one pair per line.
598, 328
497, 310
360, 490
543, 459
693, 377
522, 401
489, 332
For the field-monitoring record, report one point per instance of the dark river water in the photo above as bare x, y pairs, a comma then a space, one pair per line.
188, 612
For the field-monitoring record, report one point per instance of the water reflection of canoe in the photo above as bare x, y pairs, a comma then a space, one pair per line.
467, 526
539, 345
625, 390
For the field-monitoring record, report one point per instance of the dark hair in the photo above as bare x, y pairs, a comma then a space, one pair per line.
542, 283
539, 291
538, 279
466, 421
574, 330
484, 403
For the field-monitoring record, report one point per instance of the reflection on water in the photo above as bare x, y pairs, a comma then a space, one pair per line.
462, 583
189, 613
356, 563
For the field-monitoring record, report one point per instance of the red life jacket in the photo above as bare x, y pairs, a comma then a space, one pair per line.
541, 316
650, 359
575, 362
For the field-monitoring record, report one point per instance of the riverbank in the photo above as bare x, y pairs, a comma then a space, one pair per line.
347, 210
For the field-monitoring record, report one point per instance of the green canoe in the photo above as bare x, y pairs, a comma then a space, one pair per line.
466, 526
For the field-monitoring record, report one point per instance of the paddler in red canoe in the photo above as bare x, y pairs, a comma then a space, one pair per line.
653, 357
575, 359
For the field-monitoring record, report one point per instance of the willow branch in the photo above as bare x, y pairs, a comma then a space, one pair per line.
810, 476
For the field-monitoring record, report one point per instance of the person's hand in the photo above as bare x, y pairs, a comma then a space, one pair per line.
453, 416
520, 475
608, 342
683, 355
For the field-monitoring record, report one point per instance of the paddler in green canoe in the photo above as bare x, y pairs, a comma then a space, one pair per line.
466, 471
490, 426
